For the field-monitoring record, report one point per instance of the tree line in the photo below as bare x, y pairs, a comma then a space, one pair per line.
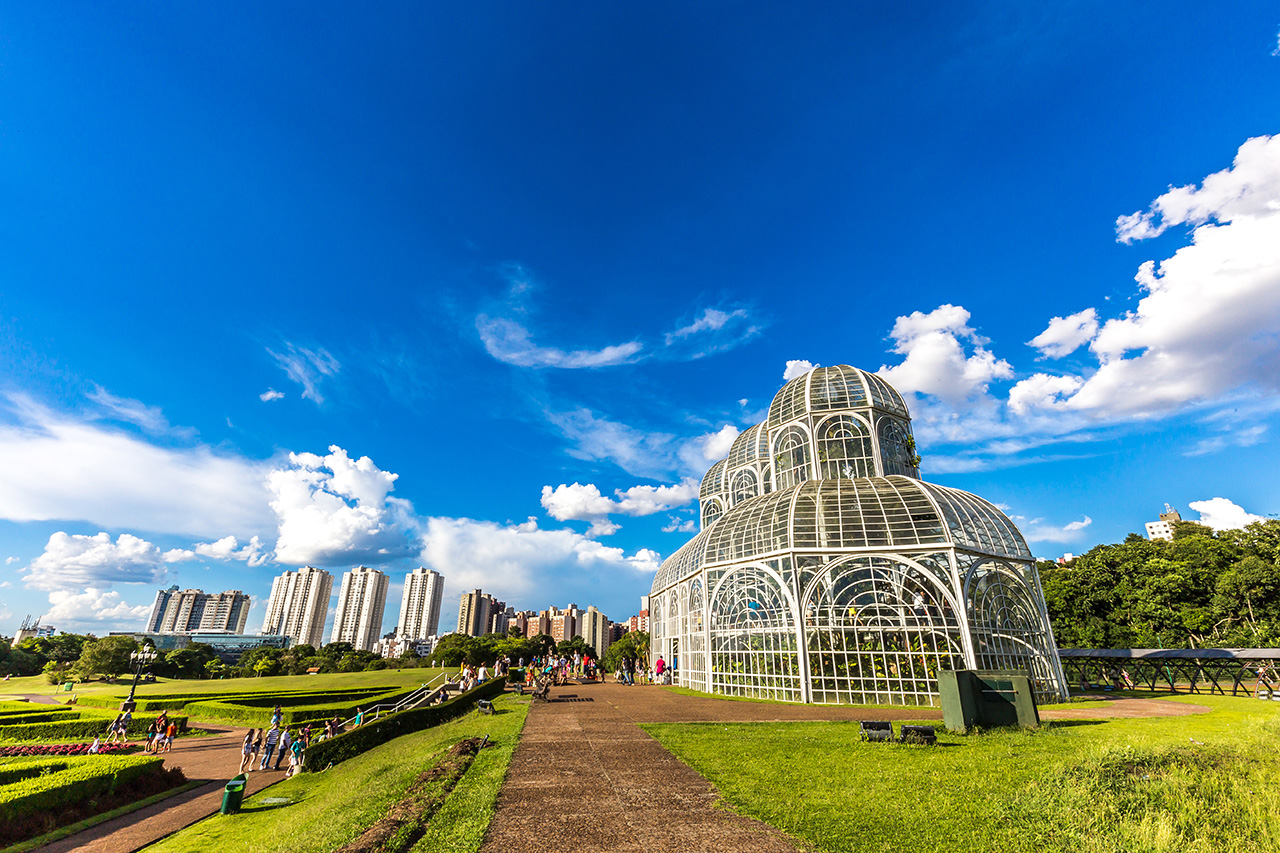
1203, 589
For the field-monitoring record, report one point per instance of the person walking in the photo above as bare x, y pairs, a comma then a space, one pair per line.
246, 750
285, 743
269, 747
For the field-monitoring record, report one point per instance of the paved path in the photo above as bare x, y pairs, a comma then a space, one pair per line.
586, 778
215, 757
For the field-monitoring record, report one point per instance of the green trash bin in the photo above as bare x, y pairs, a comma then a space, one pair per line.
233, 795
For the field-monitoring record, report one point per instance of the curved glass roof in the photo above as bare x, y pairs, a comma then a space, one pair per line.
849, 515
824, 389
752, 445
712, 482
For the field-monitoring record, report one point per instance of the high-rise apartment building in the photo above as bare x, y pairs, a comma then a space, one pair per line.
361, 603
420, 604
595, 628
299, 605
564, 623
476, 613
194, 610
1163, 529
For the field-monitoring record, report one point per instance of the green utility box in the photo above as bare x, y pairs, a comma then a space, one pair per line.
233, 795
987, 698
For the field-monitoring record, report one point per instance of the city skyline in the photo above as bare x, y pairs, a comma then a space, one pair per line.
487, 291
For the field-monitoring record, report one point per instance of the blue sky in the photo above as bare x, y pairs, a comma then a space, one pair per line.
382, 284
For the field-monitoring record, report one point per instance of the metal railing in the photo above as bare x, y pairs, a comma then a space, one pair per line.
425, 693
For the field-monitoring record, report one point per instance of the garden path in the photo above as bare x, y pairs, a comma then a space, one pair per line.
214, 757
585, 777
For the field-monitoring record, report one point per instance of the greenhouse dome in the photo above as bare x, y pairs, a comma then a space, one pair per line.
827, 571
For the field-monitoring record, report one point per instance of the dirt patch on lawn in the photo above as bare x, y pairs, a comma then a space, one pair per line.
406, 821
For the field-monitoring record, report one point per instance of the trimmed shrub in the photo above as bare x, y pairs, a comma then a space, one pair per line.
33, 767
84, 726
358, 741
82, 780
234, 712
34, 717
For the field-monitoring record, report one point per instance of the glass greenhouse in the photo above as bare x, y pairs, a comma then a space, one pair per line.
827, 571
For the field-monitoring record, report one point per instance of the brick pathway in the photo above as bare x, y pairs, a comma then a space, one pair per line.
214, 757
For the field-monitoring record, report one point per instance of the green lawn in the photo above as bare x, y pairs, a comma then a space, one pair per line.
330, 808
926, 711
1196, 784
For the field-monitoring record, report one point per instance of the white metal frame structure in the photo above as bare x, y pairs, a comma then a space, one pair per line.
827, 571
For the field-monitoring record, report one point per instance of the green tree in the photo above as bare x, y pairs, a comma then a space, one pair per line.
108, 656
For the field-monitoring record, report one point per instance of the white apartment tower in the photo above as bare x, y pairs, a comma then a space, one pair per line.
361, 601
595, 629
194, 610
420, 605
299, 605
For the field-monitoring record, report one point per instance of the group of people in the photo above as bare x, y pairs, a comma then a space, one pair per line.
160, 734
264, 745
119, 727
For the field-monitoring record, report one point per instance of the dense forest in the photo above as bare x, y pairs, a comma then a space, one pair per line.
1201, 590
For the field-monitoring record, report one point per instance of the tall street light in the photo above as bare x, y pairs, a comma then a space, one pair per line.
139, 660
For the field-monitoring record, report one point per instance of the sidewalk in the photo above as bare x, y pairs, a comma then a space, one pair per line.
214, 757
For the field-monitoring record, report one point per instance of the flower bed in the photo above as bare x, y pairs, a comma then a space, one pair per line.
61, 749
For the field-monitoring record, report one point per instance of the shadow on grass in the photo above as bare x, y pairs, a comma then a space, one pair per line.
1067, 724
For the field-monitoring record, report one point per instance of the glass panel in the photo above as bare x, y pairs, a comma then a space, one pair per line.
791, 458
745, 485
753, 638
844, 448
1008, 632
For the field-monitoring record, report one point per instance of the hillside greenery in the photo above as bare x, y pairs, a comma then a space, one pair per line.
1201, 590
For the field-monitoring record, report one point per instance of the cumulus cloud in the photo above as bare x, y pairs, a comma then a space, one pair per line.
798, 367
307, 367
91, 609
57, 467
578, 502
1065, 335
641, 453
680, 525
336, 510
228, 548
1202, 336
270, 394
509, 341
74, 561
515, 560
1223, 514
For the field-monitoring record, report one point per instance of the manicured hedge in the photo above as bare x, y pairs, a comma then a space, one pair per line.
29, 768
234, 712
33, 717
284, 698
85, 725
358, 741
83, 779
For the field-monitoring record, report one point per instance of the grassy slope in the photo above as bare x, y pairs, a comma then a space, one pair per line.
332, 807
1118, 785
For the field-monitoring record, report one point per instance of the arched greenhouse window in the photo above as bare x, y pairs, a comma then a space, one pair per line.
711, 510
844, 448
745, 485
791, 458
897, 449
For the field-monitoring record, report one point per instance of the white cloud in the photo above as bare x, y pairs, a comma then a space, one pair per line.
680, 525
579, 502
516, 560
307, 367
9, 561
270, 394
640, 453
60, 468
1246, 436
728, 328
228, 548
92, 609
1065, 335
1037, 531
1223, 514
74, 561
798, 367
936, 362
507, 340
149, 418
178, 555
334, 509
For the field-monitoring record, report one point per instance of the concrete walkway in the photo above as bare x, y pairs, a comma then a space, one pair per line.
215, 757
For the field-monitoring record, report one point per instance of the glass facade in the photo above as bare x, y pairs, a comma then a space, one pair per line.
827, 571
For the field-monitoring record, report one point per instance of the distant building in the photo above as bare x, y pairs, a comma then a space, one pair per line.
182, 612
564, 623
31, 629
477, 613
228, 647
299, 605
361, 604
1064, 559
640, 622
420, 604
596, 629
1163, 529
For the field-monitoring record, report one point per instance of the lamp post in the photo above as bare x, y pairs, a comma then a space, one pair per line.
139, 660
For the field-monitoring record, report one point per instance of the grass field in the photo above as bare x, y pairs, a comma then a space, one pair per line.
330, 808
1195, 784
